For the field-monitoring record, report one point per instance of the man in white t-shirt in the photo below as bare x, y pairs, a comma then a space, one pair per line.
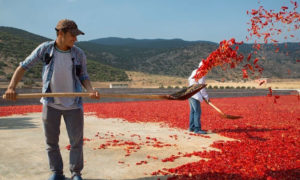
194, 102
64, 70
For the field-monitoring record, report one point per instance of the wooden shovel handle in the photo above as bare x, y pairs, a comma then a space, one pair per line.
217, 109
136, 96
72, 94
180, 95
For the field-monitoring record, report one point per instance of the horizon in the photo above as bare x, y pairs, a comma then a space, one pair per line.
195, 20
151, 39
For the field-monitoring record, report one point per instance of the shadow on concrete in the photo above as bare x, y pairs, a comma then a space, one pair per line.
248, 130
16, 123
143, 178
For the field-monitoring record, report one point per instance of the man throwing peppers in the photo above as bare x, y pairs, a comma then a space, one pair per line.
195, 103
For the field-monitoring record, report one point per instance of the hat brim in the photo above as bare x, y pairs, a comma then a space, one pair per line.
76, 32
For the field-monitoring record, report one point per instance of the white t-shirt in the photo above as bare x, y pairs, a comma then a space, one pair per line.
202, 94
62, 80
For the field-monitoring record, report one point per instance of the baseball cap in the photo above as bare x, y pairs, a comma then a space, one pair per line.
70, 26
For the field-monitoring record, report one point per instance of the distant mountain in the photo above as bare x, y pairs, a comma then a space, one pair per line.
17, 44
144, 43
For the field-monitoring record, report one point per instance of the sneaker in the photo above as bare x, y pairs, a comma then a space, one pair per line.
57, 177
200, 132
191, 130
76, 177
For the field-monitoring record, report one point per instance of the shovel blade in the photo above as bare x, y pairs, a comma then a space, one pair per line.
186, 92
227, 116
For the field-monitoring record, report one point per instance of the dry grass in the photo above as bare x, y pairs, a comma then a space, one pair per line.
143, 80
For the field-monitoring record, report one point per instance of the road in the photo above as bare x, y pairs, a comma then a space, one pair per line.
213, 93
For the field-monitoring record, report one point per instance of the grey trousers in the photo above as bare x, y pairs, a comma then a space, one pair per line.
74, 124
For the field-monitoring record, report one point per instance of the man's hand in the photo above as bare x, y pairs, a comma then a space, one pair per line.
88, 86
10, 94
95, 94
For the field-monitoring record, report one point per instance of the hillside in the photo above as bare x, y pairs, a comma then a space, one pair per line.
182, 60
16, 45
109, 58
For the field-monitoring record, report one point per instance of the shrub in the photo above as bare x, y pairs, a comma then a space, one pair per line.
37, 85
9, 76
29, 82
2, 64
2, 73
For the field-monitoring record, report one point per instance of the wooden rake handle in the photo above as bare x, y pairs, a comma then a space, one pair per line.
223, 115
217, 109
72, 94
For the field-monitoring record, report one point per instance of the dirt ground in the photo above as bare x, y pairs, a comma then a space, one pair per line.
142, 80
114, 148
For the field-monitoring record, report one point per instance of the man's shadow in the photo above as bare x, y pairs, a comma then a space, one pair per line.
16, 123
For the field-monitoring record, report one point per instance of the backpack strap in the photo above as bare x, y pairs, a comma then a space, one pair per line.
48, 57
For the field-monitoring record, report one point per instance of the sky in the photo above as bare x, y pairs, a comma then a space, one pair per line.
208, 20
